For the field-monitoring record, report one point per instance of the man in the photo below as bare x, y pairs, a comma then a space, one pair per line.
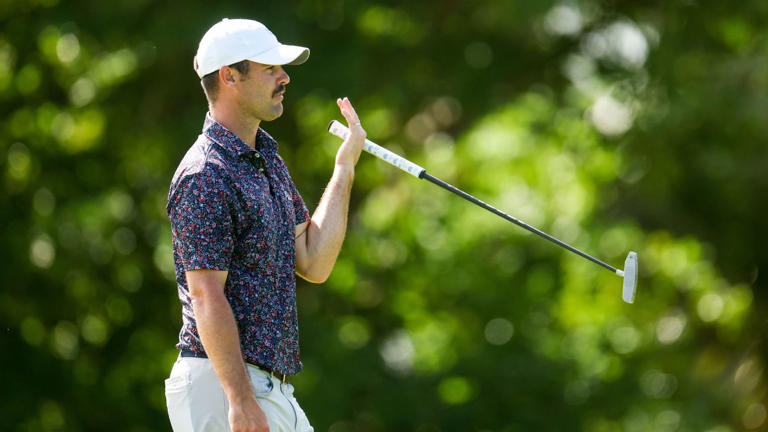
241, 233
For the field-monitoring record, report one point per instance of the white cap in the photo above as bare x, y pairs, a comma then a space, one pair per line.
233, 40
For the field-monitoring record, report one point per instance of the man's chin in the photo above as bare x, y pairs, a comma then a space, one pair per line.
276, 112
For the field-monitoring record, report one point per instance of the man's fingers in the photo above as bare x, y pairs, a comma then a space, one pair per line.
352, 111
348, 111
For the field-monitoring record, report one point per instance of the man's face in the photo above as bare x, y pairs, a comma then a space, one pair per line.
261, 91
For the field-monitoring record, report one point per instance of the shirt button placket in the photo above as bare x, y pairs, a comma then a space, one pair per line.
257, 157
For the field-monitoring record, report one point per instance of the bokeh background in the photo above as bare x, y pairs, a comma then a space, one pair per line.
615, 125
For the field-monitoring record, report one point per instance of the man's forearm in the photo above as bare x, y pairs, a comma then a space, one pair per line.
318, 246
328, 225
218, 332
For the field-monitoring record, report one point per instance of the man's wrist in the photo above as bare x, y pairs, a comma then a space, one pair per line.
243, 394
344, 171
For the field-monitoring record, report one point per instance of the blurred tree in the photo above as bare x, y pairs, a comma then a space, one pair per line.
613, 125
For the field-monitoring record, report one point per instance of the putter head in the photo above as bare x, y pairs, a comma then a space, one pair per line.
630, 278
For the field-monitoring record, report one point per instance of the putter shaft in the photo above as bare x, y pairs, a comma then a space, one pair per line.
426, 176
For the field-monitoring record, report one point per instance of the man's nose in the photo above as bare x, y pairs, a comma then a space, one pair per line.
284, 78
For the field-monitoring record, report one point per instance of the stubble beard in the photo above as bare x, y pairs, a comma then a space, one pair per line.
264, 111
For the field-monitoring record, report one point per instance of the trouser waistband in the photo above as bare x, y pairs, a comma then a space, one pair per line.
283, 378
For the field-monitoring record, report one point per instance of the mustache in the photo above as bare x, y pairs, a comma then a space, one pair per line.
279, 89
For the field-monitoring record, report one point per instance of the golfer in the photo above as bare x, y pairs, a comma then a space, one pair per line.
241, 234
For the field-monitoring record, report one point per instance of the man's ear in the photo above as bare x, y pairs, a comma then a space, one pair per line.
226, 76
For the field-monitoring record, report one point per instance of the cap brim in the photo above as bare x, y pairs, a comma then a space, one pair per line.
282, 55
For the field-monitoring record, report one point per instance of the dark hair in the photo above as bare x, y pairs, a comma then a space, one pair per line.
210, 82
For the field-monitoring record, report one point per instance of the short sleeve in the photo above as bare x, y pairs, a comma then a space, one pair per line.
200, 211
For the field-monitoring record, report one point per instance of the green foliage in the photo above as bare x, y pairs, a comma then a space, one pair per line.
613, 126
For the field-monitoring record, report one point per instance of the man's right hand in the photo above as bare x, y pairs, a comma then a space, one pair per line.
246, 416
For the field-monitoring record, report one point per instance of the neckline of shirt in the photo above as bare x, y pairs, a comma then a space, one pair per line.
216, 132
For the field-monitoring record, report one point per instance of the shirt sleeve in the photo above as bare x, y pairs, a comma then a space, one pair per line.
201, 221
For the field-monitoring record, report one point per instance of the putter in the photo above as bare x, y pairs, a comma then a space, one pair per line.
629, 274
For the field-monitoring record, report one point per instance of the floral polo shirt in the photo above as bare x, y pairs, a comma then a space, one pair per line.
235, 208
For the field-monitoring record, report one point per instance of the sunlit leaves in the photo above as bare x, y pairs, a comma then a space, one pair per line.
394, 24
455, 390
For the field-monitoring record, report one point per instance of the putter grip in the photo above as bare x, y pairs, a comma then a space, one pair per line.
411, 168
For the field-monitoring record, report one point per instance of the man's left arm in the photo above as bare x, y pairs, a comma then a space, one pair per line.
319, 239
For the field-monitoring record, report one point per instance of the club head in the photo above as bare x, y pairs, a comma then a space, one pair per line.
630, 278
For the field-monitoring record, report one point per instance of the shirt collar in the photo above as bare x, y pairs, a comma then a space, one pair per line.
232, 143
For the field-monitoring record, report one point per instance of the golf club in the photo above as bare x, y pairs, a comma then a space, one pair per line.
629, 274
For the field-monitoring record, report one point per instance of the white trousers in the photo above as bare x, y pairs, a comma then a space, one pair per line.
197, 403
